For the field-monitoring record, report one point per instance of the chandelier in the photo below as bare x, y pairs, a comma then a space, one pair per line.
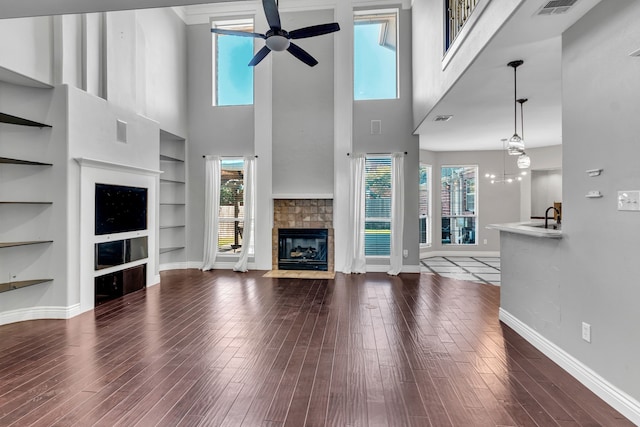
505, 178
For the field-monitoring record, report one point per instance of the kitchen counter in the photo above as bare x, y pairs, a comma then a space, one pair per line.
535, 229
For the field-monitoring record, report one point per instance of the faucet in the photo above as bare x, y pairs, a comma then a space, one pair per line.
546, 216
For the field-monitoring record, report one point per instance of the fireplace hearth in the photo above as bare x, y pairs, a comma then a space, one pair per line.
303, 249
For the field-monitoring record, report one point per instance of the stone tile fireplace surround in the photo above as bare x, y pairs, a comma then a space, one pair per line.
302, 213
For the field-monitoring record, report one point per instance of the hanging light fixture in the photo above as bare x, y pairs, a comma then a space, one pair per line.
516, 143
505, 178
524, 161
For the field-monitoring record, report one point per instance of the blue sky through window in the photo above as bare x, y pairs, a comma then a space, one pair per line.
235, 77
374, 65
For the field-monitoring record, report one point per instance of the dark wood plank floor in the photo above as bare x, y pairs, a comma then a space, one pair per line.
232, 349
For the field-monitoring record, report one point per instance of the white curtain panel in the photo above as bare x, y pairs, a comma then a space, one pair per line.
397, 212
211, 211
355, 262
249, 207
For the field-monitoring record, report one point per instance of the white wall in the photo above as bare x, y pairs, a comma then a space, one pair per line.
26, 47
590, 274
600, 128
497, 203
303, 113
162, 70
546, 189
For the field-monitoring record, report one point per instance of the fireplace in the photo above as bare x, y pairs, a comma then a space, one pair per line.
303, 249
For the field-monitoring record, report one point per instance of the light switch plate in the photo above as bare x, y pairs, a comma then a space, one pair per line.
629, 200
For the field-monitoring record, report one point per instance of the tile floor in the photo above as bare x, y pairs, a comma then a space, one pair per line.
474, 269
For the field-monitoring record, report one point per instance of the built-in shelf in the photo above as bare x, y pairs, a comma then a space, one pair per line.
175, 248
172, 160
8, 118
9, 161
166, 158
5, 202
19, 121
25, 243
175, 181
4, 287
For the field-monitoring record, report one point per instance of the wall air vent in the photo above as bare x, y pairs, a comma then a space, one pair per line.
556, 7
443, 118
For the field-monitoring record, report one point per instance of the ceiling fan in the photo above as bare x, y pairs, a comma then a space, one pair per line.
278, 39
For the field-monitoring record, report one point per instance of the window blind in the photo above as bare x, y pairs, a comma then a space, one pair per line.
378, 206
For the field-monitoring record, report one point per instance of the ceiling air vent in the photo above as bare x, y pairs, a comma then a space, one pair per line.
442, 118
556, 7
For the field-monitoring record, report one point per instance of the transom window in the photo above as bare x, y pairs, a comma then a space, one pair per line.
233, 77
375, 65
458, 200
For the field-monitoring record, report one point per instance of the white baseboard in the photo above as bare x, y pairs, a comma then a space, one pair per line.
175, 266
381, 268
39, 313
432, 254
621, 401
216, 266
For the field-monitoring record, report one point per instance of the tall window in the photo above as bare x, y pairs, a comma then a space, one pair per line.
377, 237
375, 67
459, 204
424, 205
233, 77
230, 232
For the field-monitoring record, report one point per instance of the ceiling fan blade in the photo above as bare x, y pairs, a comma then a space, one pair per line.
238, 33
302, 55
259, 56
314, 30
271, 12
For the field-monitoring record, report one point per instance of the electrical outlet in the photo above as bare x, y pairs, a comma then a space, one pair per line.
485, 241
405, 253
586, 332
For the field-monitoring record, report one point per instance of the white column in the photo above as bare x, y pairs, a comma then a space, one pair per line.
343, 127
263, 119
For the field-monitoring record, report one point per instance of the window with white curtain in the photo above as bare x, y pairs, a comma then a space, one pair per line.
231, 228
424, 205
377, 206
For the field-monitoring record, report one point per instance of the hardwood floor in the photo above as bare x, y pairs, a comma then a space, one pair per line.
232, 349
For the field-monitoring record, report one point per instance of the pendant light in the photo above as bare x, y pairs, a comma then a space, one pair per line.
505, 178
524, 161
516, 144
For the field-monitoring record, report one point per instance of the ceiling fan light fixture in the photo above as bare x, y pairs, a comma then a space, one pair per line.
278, 43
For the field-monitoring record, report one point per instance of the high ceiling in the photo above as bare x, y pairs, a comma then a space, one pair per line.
481, 101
